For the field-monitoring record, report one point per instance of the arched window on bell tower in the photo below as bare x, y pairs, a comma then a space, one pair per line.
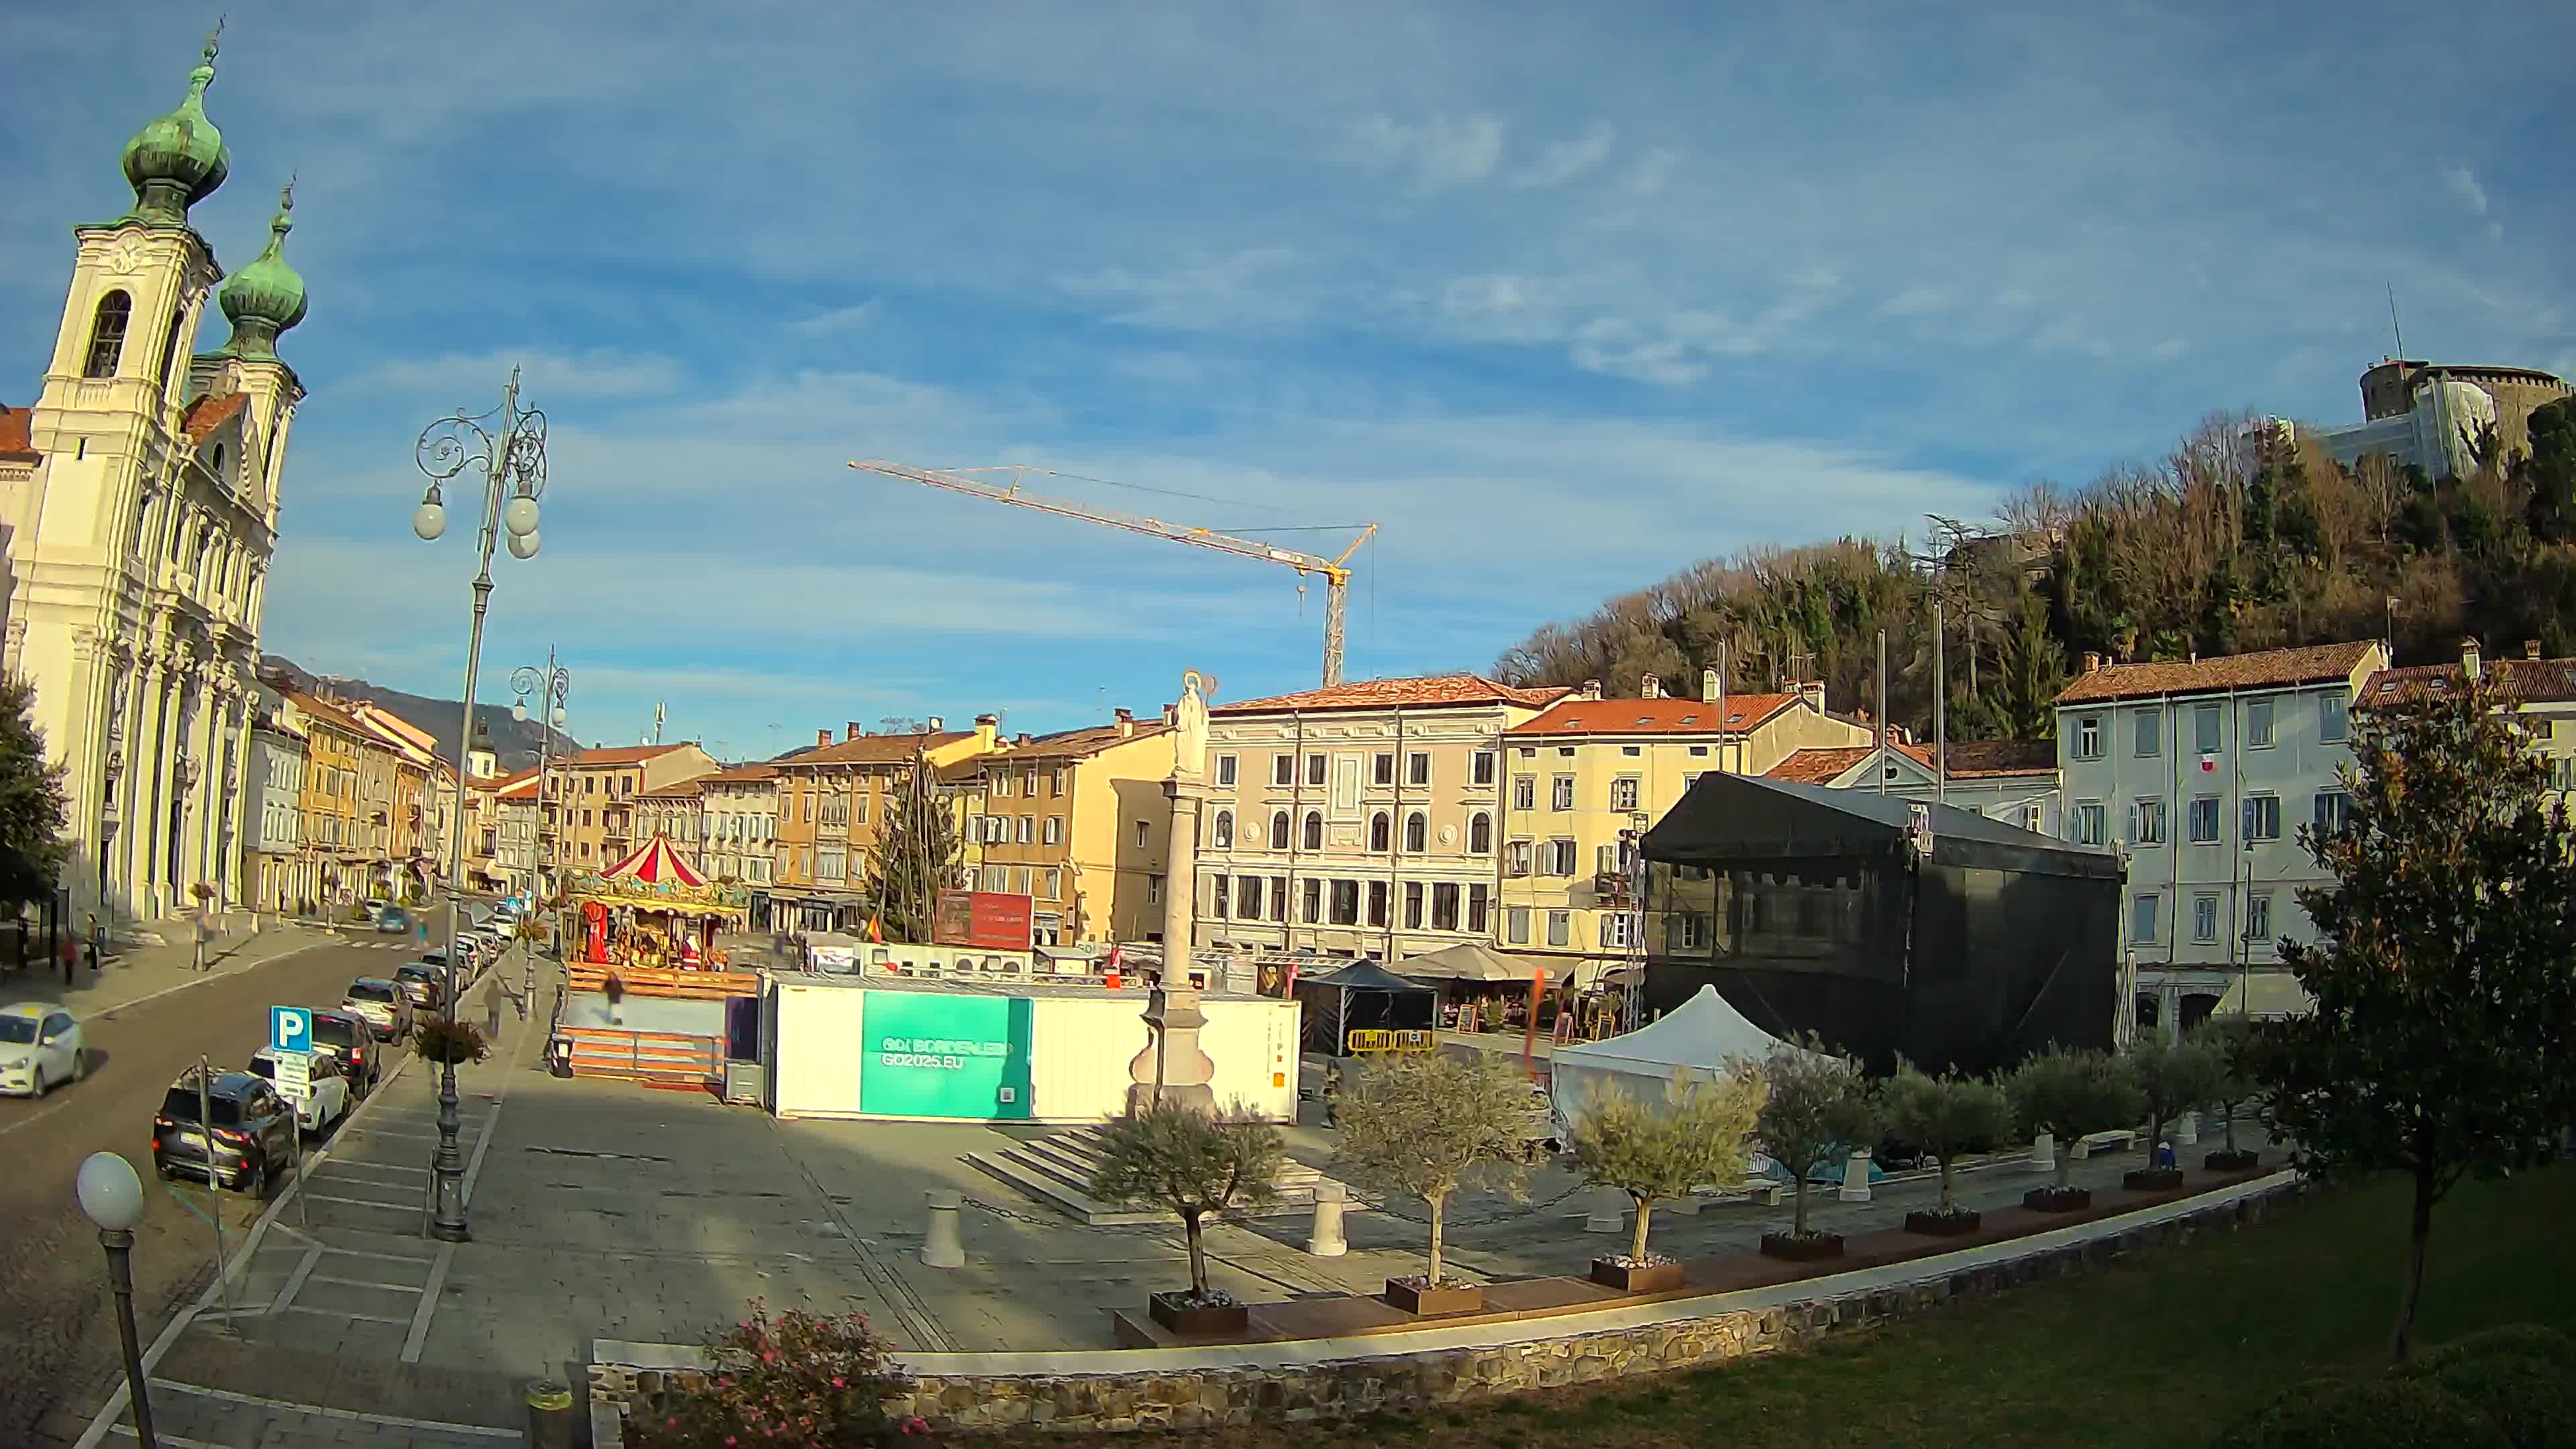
107, 333
170, 350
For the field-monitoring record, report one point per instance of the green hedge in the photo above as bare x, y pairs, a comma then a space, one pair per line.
2511, 1387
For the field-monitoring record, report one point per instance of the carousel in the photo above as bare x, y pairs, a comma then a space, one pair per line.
652, 911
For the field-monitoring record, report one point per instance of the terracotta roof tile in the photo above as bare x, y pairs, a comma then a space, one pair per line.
744, 775
2517, 681
211, 412
876, 749
1969, 760
618, 755
16, 442
1428, 690
2271, 668
1818, 766
1653, 716
682, 788
1074, 744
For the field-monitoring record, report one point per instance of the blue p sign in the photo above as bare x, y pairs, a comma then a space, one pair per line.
290, 1029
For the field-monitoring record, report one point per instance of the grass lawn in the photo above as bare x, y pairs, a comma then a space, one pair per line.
2157, 1351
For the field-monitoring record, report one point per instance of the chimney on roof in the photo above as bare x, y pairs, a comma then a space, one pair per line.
1651, 687
1708, 686
2531, 649
938, 724
851, 730
2092, 661
1126, 722
822, 737
1813, 692
986, 727
1022, 739
2469, 659
1591, 690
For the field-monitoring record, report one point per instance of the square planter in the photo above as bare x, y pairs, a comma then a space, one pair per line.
1943, 1225
1652, 1278
2152, 1179
1427, 1302
2057, 1200
1813, 1248
2240, 1160
1196, 1320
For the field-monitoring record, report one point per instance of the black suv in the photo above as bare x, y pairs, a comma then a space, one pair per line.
253, 1138
353, 1041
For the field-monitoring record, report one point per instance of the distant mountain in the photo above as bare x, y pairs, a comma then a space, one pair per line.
514, 742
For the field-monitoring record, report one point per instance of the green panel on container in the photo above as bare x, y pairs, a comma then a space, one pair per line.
946, 1056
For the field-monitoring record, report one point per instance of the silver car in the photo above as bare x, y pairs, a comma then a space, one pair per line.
382, 1004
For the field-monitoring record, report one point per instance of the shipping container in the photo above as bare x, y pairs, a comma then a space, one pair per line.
959, 1051
994, 919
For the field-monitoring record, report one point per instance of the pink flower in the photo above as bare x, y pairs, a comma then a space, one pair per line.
837, 1382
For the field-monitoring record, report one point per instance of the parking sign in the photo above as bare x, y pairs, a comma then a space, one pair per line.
290, 1029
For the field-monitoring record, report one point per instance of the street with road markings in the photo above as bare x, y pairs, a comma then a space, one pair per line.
53, 1282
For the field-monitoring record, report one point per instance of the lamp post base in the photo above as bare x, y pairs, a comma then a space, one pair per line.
120, 1274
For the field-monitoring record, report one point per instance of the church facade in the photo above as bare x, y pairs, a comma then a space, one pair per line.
139, 495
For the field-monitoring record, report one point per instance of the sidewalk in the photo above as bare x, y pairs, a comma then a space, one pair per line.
139, 973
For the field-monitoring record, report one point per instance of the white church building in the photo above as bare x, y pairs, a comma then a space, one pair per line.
139, 499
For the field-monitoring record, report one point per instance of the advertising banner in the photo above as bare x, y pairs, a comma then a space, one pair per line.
945, 1056
989, 920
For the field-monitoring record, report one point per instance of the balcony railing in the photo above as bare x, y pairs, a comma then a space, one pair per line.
1610, 885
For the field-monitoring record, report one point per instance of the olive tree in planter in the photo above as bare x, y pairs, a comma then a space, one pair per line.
2070, 1094
1819, 1104
1425, 1125
2232, 1044
1697, 1135
2171, 1080
1200, 1166
1945, 1117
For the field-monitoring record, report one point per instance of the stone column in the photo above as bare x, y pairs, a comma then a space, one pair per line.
1172, 1069
1327, 1239
1181, 877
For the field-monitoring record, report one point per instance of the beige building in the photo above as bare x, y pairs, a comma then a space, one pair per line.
598, 796
740, 809
1590, 774
832, 804
516, 839
1078, 822
1359, 819
676, 811
140, 499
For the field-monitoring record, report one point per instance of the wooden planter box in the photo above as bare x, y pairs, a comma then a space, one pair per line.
1192, 1321
1813, 1248
1942, 1225
1424, 1302
2152, 1179
2053, 1200
2240, 1160
1653, 1278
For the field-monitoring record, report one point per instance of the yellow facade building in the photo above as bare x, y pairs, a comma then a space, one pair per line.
1078, 822
335, 746
1591, 772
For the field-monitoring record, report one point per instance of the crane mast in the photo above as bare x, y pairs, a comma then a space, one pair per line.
1334, 571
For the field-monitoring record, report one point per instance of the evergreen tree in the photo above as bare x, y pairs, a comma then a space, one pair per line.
2445, 1009
2548, 471
917, 856
2032, 671
32, 810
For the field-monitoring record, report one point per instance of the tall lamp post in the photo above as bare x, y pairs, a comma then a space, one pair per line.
553, 686
508, 448
111, 1195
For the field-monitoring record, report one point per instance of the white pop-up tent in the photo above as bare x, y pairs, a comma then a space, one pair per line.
1699, 1035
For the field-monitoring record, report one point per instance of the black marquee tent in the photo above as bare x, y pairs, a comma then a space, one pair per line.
1362, 996
1813, 909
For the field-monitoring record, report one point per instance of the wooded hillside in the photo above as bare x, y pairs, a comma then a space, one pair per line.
2223, 546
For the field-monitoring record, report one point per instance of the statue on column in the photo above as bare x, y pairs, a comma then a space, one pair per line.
1190, 716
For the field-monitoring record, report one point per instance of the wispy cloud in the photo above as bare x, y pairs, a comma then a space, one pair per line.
833, 323
2463, 183
598, 373
1562, 161
1441, 151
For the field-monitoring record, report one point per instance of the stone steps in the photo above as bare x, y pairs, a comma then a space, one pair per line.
1056, 1170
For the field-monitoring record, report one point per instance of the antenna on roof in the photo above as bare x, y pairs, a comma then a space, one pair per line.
2398, 332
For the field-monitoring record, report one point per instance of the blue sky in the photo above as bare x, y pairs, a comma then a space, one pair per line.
1562, 297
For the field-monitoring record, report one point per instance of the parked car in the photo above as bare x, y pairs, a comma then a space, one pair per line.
392, 921
382, 1003
347, 1036
326, 1096
40, 1045
425, 983
249, 1141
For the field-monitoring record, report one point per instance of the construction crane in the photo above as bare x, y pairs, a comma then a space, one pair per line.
1336, 574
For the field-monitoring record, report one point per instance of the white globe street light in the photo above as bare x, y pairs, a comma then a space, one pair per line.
429, 520
519, 516
111, 1195
519, 710
523, 545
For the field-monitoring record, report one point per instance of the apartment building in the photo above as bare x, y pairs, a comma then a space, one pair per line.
1078, 822
740, 808
345, 763
2540, 693
598, 796
2014, 781
412, 841
516, 844
1590, 772
676, 812
2203, 771
832, 806
1359, 819
277, 873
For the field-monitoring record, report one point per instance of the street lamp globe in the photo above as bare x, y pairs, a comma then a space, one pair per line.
429, 520
519, 710
523, 545
561, 718
110, 1193
519, 516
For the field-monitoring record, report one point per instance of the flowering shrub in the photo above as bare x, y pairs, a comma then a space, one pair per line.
796, 1379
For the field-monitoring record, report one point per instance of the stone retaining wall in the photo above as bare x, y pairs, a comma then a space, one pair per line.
1198, 1398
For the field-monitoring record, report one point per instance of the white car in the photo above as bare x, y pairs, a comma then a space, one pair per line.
40, 1045
382, 1004
326, 1099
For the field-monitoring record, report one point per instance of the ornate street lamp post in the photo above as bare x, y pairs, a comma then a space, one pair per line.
111, 1196
508, 448
552, 685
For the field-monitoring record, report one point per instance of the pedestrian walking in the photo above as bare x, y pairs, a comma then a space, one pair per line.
492, 1011
71, 955
93, 943
1332, 1093
197, 941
